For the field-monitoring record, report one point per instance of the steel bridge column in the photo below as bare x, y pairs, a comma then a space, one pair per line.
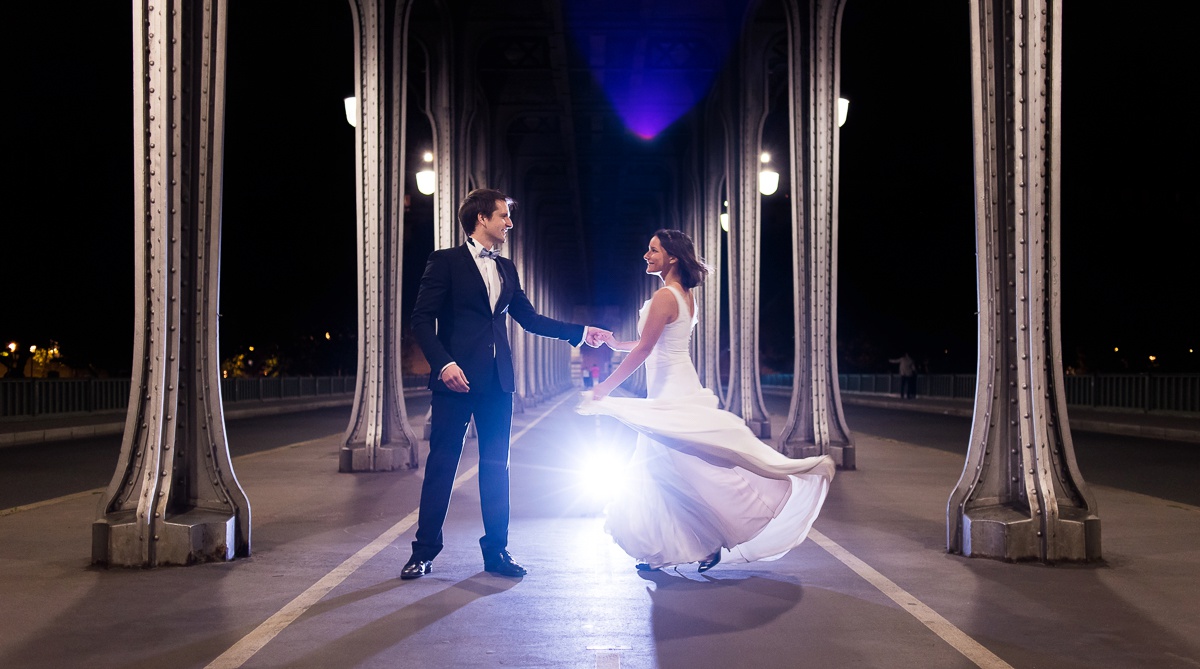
446, 157
747, 95
174, 498
708, 243
1020, 496
816, 423
378, 437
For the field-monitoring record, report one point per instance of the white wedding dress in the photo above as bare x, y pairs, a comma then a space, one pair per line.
699, 479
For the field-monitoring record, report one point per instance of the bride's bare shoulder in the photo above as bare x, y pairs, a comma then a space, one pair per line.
664, 299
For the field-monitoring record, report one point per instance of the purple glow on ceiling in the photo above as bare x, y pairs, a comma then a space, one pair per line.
653, 59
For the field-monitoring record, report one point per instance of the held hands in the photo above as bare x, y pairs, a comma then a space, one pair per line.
594, 336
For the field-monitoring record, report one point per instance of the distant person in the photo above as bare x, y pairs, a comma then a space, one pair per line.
596, 373
587, 376
908, 376
701, 487
460, 319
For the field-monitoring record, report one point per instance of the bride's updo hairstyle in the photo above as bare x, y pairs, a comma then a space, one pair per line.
692, 270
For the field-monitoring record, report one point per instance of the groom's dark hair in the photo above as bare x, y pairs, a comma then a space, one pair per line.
678, 245
480, 201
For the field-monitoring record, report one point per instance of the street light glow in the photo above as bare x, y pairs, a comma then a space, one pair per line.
843, 111
768, 179
352, 111
426, 179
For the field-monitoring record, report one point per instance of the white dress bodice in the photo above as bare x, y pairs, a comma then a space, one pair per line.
669, 368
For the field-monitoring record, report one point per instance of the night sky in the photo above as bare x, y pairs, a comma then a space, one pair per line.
907, 245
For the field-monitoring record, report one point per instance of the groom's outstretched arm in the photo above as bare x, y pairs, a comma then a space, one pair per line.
527, 317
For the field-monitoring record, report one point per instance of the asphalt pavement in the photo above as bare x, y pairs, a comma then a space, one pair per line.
873, 587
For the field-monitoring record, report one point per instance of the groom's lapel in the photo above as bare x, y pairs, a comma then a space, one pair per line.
508, 282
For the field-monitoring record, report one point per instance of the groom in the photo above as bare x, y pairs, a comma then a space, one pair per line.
460, 321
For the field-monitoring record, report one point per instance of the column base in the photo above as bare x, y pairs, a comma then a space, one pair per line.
842, 454
192, 537
760, 428
354, 458
1005, 533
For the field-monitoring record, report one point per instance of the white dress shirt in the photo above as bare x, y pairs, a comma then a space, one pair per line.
489, 271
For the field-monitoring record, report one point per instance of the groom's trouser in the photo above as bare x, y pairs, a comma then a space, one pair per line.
451, 413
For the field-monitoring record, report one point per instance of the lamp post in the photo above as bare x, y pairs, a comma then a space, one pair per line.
768, 179
426, 178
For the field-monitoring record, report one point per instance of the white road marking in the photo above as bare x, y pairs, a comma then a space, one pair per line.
959, 640
244, 649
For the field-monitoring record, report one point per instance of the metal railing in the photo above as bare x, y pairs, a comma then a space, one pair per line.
1173, 393
37, 397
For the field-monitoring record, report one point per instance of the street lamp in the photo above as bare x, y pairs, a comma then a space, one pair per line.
352, 111
843, 110
725, 217
768, 179
426, 177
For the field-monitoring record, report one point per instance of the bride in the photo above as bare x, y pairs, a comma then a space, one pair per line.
700, 486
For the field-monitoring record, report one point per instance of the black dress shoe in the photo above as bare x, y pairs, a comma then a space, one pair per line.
503, 565
642, 566
710, 562
416, 569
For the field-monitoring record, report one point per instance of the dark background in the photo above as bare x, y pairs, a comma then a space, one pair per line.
906, 260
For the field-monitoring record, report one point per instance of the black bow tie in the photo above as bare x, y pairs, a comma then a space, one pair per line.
484, 253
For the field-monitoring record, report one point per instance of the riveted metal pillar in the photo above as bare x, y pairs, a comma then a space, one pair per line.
378, 437
710, 200
440, 109
174, 498
816, 423
746, 102
1020, 496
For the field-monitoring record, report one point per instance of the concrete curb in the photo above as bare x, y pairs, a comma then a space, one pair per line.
950, 408
110, 423
37, 436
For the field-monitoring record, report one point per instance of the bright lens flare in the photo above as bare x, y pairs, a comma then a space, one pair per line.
601, 473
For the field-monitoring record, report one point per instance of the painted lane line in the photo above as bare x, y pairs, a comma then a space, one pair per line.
959, 640
247, 646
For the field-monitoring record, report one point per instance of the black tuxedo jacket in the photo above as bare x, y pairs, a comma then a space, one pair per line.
453, 322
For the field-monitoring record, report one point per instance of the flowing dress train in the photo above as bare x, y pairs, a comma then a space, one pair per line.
699, 479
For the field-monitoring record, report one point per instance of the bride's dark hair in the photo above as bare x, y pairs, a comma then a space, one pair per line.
692, 269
